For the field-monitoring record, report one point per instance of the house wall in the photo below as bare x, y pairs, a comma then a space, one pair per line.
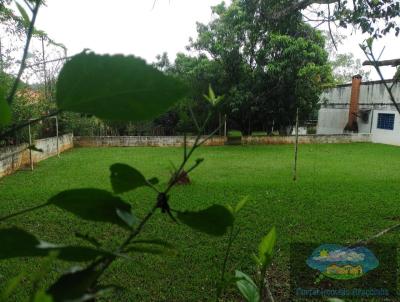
332, 120
384, 136
334, 112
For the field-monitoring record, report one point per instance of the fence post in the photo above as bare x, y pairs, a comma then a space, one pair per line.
58, 146
225, 126
296, 148
30, 144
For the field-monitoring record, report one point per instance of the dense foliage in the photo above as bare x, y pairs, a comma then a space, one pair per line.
264, 70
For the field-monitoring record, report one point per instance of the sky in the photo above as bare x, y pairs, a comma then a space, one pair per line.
135, 27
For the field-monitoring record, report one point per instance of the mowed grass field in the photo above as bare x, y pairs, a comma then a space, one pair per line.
344, 193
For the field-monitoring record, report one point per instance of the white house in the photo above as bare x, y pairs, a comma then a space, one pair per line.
361, 107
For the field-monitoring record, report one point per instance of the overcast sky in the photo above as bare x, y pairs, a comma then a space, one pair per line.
134, 27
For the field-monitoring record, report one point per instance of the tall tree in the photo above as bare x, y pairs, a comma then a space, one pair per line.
269, 67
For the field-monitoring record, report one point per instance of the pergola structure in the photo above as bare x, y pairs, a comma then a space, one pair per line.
393, 63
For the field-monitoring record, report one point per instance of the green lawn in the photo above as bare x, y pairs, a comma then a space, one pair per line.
343, 193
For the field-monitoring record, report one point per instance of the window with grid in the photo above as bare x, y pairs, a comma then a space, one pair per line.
385, 121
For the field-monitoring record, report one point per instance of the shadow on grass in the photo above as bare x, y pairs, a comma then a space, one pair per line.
24, 211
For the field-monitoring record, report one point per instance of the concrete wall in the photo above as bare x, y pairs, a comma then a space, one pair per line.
332, 121
141, 141
371, 93
306, 139
384, 136
177, 141
15, 157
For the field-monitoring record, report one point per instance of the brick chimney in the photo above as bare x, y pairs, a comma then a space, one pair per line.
352, 125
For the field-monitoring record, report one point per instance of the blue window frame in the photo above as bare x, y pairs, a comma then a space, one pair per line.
385, 121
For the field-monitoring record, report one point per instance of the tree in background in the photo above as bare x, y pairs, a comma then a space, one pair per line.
198, 73
268, 68
269, 61
376, 18
344, 65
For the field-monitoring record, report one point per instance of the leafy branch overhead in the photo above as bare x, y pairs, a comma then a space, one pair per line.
117, 87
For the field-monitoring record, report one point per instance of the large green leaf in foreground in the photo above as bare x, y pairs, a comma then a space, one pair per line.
116, 87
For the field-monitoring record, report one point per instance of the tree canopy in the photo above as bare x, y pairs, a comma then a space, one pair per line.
267, 60
265, 70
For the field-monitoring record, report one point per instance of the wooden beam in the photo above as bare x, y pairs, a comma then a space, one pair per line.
394, 63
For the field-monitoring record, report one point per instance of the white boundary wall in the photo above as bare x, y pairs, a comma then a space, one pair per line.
13, 158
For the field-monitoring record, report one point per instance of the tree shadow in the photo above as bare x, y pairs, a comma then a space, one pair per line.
24, 211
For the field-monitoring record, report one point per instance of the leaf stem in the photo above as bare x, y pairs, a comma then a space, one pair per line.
139, 228
106, 261
231, 239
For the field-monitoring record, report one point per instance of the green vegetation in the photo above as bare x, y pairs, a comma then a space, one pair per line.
344, 193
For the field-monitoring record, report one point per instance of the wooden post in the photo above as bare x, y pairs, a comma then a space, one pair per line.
30, 144
225, 126
296, 148
58, 146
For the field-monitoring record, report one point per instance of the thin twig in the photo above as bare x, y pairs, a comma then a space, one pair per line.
231, 239
380, 55
25, 54
209, 136
329, 27
139, 228
194, 118
28, 5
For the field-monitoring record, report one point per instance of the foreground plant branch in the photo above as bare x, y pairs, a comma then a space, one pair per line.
29, 35
88, 95
161, 203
